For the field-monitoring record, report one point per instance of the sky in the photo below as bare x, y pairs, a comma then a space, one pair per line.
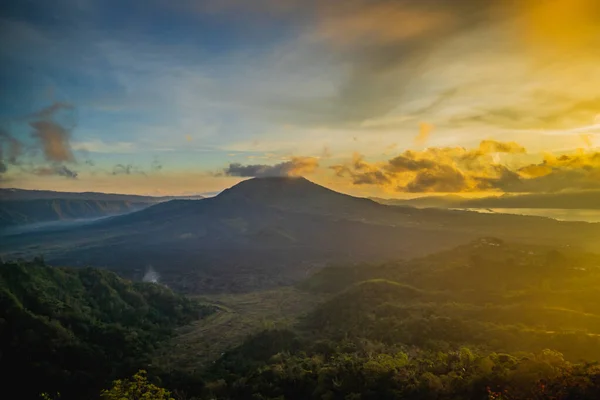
393, 98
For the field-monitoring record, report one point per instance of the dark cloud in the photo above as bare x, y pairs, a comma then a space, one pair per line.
297, 166
156, 165
502, 178
131, 169
371, 178
3, 167
127, 169
441, 178
59, 170
11, 149
407, 162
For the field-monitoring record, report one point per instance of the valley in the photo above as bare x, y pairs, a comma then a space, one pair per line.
267, 232
291, 290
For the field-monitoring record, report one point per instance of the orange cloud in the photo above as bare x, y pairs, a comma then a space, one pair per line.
456, 169
492, 146
355, 22
587, 139
560, 24
424, 132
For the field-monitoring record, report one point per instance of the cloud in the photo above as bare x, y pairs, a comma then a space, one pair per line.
441, 178
131, 169
51, 111
381, 53
3, 167
408, 161
424, 132
457, 169
59, 170
52, 128
587, 139
127, 169
297, 166
492, 146
11, 149
51, 131
156, 165
568, 171
54, 141
98, 146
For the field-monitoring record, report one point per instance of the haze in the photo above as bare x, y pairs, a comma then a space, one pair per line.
300, 199
186, 97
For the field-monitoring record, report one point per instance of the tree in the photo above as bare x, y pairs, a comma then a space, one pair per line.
136, 388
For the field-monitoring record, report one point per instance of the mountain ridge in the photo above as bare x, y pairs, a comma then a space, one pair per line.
268, 232
31, 194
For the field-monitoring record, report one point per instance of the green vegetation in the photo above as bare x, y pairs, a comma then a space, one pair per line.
487, 320
136, 388
276, 365
74, 330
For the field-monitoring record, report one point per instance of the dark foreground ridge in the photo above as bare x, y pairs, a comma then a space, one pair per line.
75, 330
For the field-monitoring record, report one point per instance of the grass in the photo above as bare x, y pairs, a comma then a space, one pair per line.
240, 315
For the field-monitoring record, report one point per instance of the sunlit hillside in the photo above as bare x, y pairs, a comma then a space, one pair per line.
300, 199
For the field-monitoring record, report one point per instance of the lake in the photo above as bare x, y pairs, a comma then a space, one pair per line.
559, 214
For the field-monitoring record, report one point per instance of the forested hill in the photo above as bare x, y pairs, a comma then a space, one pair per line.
74, 330
487, 320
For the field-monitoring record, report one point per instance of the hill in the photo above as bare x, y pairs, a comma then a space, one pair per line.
273, 231
485, 320
446, 201
76, 329
537, 292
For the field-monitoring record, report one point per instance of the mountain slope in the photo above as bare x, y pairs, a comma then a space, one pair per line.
448, 201
273, 231
475, 293
76, 329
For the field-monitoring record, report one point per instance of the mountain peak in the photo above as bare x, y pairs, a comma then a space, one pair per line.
264, 188
288, 192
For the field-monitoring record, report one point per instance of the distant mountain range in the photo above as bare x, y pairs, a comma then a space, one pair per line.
568, 200
24, 194
273, 231
22, 207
